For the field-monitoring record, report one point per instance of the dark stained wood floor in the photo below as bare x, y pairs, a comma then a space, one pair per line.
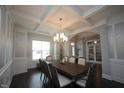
31, 79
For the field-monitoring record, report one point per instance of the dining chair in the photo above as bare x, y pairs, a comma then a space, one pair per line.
81, 61
46, 73
66, 58
49, 58
72, 59
41, 69
58, 80
89, 81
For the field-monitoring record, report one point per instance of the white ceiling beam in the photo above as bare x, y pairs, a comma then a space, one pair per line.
90, 21
93, 11
25, 16
103, 22
31, 31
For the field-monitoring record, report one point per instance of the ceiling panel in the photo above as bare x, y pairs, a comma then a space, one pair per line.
46, 29
32, 10
29, 16
98, 17
77, 25
67, 16
24, 23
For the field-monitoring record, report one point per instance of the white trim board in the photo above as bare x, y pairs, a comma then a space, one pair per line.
4, 68
2, 71
106, 76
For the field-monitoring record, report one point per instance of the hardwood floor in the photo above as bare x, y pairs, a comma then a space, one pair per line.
31, 79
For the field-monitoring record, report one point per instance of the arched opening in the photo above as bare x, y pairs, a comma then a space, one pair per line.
87, 45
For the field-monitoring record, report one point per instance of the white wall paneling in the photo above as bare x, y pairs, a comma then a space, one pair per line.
6, 47
23, 48
20, 51
119, 32
117, 70
20, 65
104, 51
111, 44
116, 47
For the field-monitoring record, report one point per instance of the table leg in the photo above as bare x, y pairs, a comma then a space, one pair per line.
74, 82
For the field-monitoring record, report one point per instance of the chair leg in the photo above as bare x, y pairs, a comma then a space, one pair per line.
44, 79
41, 76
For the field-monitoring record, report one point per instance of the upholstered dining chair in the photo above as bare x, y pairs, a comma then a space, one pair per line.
49, 58
66, 58
41, 68
89, 81
48, 79
45, 73
58, 80
72, 59
81, 61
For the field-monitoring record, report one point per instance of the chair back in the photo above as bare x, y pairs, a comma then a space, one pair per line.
72, 59
54, 75
46, 70
91, 76
41, 66
66, 58
81, 61
49, 58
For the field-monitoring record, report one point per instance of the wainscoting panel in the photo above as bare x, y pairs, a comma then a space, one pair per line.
117, 70
20, 65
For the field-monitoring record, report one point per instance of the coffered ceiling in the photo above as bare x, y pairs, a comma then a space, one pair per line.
67, 16
45, 18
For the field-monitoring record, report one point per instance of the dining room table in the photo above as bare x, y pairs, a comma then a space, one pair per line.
71, 70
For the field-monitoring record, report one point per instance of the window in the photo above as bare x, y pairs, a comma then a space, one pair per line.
40, 49
72, 49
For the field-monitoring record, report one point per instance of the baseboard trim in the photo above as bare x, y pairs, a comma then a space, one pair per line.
106, 76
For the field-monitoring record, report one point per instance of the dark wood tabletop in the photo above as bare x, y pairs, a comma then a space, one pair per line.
71, 69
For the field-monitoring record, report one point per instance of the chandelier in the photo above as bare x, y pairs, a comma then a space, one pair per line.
60, 37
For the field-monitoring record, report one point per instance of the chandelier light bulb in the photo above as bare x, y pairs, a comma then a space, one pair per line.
60, 37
